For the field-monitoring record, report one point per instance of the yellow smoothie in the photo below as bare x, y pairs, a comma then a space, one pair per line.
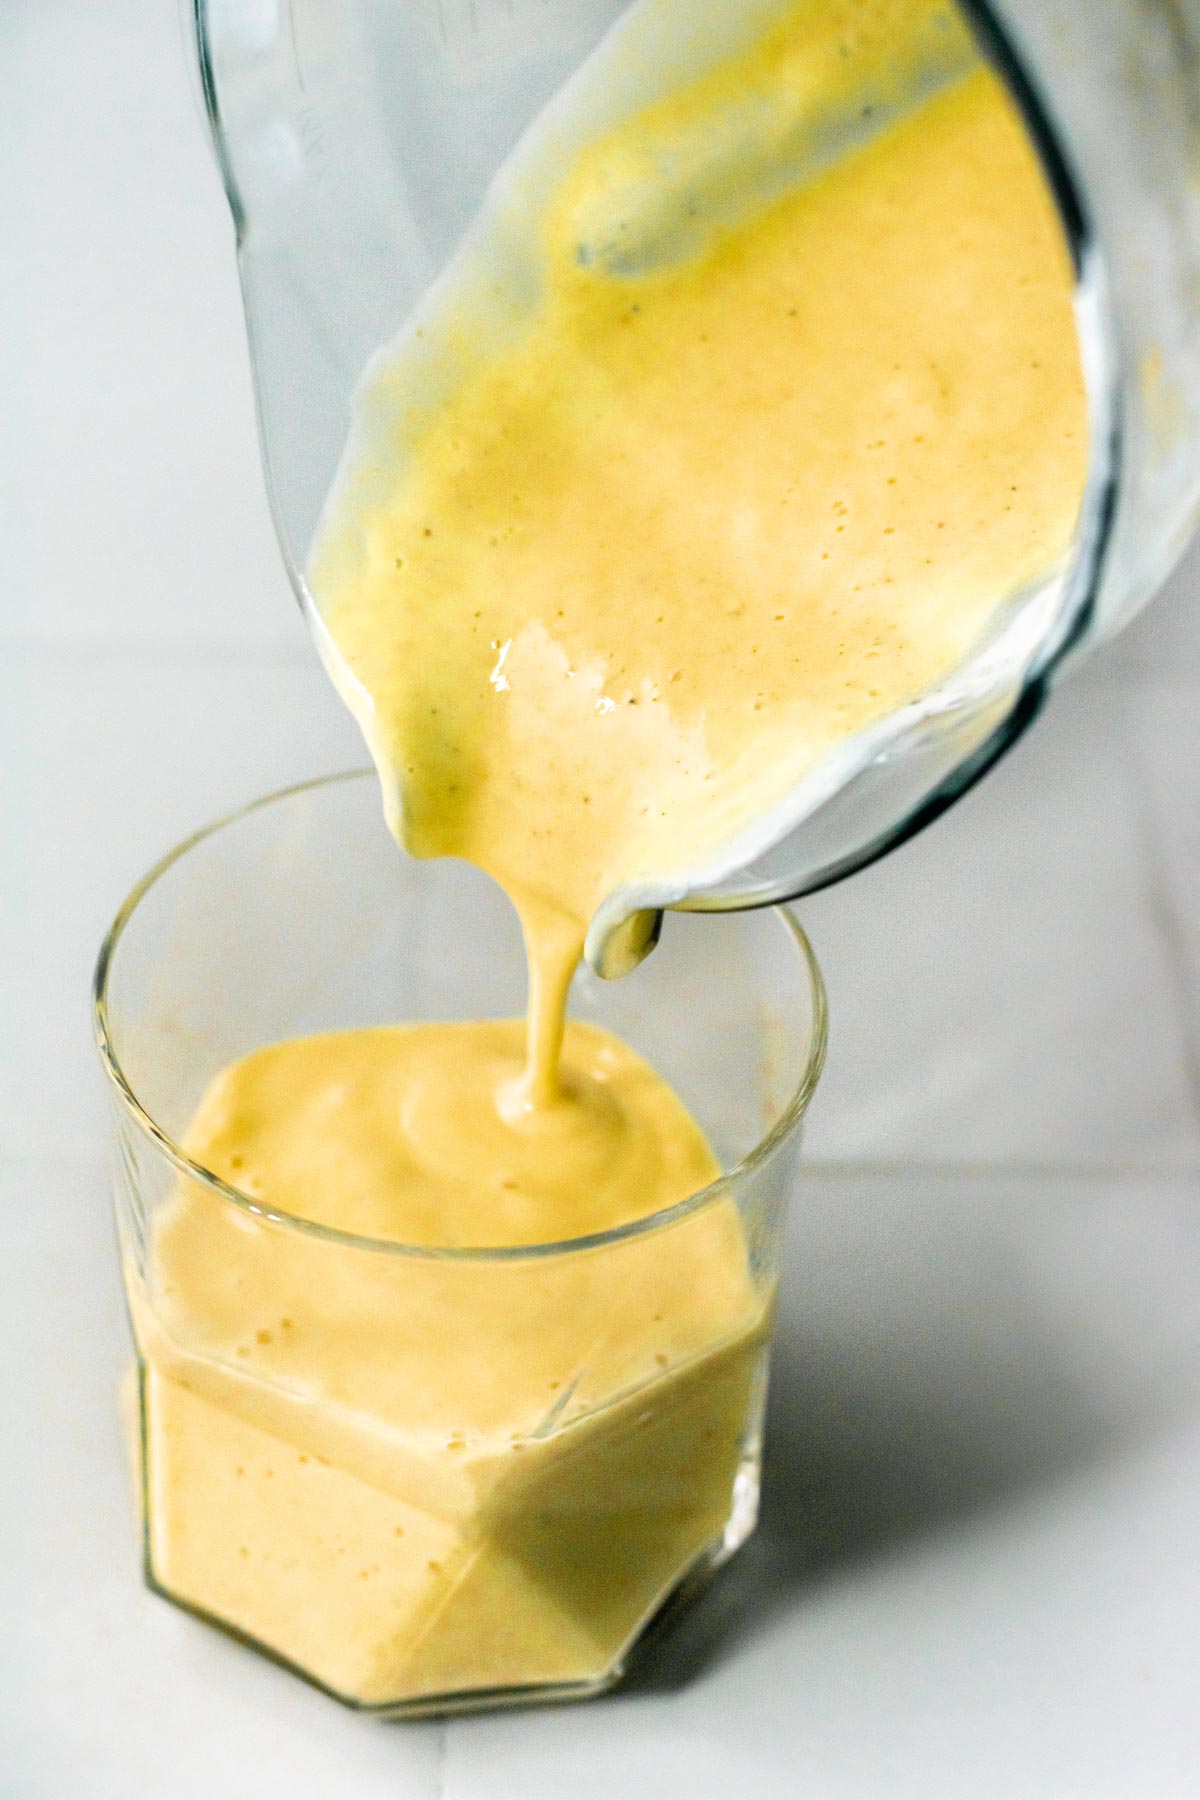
708, 506
418, 1477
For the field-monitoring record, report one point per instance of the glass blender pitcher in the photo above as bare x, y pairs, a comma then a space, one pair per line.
361, 142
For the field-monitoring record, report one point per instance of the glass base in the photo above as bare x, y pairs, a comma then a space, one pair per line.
669, 1605
674, 1604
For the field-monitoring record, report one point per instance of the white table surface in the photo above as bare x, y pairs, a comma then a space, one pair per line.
977, 1571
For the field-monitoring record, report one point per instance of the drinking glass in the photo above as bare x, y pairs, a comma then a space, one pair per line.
410, 1529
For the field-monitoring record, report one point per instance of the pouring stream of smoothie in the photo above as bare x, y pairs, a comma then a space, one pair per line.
715, 507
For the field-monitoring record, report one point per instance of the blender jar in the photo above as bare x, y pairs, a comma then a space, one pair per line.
359, 142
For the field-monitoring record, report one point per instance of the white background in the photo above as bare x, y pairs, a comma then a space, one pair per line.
977, 1573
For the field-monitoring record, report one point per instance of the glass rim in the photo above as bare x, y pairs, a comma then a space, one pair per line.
123, 1093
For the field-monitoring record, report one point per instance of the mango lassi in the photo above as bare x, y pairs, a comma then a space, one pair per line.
702, 512
418, 1478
